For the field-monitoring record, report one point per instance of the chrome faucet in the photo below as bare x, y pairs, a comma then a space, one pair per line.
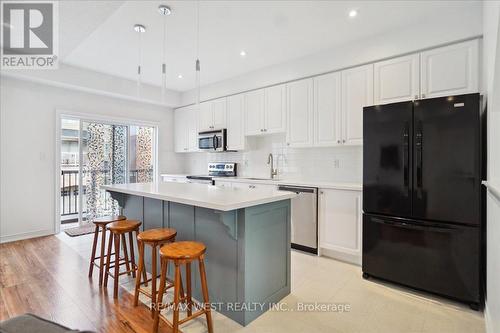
270, 160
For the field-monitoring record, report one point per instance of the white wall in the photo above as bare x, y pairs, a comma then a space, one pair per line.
27, 149
491, 77
313, 164
427, 34
80, 79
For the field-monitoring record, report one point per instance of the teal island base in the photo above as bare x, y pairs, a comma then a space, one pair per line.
248, 250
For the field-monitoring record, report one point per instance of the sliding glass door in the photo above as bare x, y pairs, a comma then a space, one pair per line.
104, 153
113, 154
104, 161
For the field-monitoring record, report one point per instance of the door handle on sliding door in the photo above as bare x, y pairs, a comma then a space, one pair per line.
419, 140
406, 147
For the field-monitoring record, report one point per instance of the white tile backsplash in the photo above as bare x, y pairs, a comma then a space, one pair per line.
333, 164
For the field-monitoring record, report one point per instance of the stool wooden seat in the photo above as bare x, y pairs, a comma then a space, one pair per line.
154, 238
118, 230
157, 235
100, 225
183, 253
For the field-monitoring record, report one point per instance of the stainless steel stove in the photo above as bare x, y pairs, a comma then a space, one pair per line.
215, 169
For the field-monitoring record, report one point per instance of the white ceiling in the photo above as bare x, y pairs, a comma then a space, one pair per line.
270, 32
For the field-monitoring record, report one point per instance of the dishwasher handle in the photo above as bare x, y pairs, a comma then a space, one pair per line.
297, 189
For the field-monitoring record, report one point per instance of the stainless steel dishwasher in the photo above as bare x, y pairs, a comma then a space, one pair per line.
304, 218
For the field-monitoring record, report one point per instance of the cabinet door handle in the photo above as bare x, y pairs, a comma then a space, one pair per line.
343, 141
423, 95
416, 96
321, 192
338, 141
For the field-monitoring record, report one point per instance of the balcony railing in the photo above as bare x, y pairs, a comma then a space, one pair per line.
70, 190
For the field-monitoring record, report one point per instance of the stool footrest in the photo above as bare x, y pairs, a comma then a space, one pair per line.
194, 315
147, 293
133, 269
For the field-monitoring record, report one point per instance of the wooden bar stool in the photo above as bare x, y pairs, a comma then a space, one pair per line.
154, 238
100, 225
183, 253
118, 230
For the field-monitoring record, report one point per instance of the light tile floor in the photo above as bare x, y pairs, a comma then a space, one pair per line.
374, 306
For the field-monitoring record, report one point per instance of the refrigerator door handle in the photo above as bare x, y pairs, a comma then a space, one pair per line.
406, 147
419, 147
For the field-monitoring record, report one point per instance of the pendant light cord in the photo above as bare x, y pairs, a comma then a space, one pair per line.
198, 29
197, 64
164, 61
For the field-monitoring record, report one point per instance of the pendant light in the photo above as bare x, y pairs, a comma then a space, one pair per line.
140, 29
164, 11
197, 64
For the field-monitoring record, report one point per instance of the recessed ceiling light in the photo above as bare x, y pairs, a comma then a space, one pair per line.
353, 13
243, 53
164, 10
139, 28
179, 76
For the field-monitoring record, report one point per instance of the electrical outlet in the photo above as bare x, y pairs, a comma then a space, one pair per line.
336, 164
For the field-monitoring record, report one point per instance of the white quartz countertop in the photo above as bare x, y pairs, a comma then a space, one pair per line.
296, 182
318, 184
202, 195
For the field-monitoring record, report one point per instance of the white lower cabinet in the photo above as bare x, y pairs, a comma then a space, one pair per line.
222, 183
252, 185
175, 179
340, 224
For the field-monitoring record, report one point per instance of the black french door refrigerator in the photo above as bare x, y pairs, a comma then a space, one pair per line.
422, 195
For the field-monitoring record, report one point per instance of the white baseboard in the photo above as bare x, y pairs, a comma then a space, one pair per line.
26, 235
343, 256
488, 320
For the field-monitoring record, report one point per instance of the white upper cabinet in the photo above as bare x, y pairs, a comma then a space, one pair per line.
265, 111
192, 128
212, 115
357, 92
205, 116
219, 107
450, 70
185, 129
397, 80
275, 109
235, 122
254, 112
300, 113
180, 130
327, 109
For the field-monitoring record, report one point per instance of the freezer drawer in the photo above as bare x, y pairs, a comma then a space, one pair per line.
439, 258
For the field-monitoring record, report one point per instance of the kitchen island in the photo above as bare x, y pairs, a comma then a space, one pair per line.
247, 234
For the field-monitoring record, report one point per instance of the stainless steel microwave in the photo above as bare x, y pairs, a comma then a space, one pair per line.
212, 140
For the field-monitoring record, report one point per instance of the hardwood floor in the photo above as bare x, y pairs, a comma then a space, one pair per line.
46, 277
